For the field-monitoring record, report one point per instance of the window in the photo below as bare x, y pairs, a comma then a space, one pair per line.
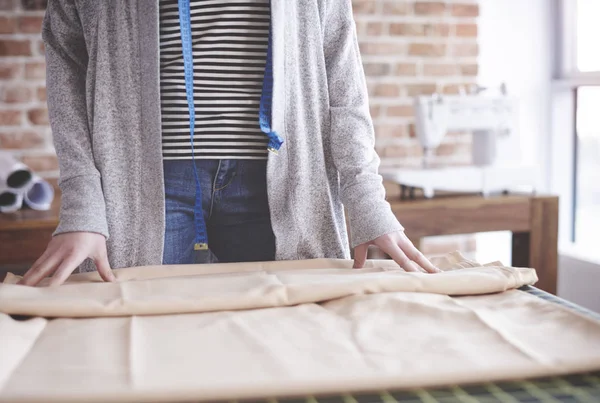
586, 184
586, 34
576, 139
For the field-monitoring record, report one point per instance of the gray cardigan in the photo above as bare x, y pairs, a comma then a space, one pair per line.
104, 104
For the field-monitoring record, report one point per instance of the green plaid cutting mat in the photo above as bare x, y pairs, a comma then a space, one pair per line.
564, 389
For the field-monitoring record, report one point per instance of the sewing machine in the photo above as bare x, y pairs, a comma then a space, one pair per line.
496, 163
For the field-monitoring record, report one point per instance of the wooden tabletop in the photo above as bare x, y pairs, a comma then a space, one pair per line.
464, 214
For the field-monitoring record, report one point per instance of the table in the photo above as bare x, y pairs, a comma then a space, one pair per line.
584, 387
532, 219
25, 234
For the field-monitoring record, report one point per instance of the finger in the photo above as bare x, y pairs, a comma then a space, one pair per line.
40, 271
49, 250
64, 270
104, 268
420, 259
399, 257
360, 256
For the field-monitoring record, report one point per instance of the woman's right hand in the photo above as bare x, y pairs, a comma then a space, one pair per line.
65, 253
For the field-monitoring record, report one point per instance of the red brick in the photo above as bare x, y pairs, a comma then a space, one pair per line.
9, 70
8, 4
456, 88
395, 7
386, 90
364, 6
430, 8
35, 71
375, 28
21, 139
411, 150
361, 28
391, 131
465, 50
420, 89
41, 49
375, 111
386, 49
400, 111
41, 94
31, 24
7, 25
11, 118
34, 5
17, 94
427, 49
377, 69
10, 47
466, 30
465, 10
38, 116
412, 133
403, 29
469, 69
406, 69
441, 70
41, 163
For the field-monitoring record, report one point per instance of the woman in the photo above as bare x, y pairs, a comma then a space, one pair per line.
280, 75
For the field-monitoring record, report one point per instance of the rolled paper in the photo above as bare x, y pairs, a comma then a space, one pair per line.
40, 194
13, 174
10, 200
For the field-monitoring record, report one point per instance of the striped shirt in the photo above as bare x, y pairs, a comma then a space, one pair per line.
229, 45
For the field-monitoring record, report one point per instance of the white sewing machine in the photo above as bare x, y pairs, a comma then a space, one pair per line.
492, 118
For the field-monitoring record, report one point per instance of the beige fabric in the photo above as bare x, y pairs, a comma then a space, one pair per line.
359, 342
207, 288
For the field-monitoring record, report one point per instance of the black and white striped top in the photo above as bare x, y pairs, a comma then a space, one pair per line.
229, 40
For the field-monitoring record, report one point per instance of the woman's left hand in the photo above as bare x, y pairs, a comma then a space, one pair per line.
398, 247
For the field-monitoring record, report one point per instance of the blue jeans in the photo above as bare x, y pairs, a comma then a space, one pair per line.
235, 207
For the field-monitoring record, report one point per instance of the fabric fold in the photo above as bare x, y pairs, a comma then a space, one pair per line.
209, 288
283, 329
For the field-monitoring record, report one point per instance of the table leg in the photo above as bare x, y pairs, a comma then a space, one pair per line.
539, 247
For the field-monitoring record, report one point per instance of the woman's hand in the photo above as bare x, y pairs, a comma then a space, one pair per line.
65, 253
400, 248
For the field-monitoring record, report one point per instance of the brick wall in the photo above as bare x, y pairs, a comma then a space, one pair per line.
23, 114
411, 48
408, 47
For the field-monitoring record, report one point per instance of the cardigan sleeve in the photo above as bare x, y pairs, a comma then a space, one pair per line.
82, 200
352, 133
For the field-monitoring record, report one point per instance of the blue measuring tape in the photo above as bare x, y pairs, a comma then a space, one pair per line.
201, 239
265, 113
266, 101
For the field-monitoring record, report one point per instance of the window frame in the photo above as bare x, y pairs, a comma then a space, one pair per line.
563, 148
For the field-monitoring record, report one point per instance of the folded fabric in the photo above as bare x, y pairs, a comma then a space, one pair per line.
321, 328
207, 288
361, 343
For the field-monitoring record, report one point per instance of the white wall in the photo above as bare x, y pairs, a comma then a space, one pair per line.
515, 39
518, 46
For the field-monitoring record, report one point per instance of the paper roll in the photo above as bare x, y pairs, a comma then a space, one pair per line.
10, 200
13, 174
40, 194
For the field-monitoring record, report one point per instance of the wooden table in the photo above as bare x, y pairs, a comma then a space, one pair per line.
24, 236
532, 219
